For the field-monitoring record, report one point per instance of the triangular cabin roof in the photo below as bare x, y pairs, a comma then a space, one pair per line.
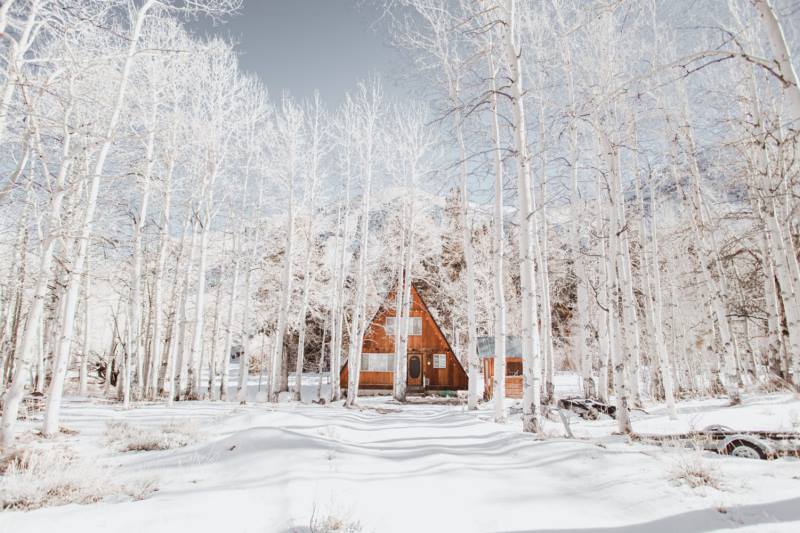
431, 341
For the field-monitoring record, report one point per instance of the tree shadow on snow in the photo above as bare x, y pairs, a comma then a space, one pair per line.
700, 520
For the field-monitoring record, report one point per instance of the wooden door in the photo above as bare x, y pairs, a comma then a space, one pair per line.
414, 378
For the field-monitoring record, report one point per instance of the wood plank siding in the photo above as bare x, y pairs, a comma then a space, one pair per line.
430, 347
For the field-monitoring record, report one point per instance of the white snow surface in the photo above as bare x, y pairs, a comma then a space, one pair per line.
423, 467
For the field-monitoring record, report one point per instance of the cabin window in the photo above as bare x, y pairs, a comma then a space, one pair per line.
377, 362
414, 326
439, 360
513, 368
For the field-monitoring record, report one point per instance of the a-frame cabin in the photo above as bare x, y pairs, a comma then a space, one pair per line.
432, 365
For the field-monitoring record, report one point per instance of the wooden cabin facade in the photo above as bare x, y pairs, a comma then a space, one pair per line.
486, 352
431, 365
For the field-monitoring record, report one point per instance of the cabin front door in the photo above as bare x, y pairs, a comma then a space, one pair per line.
414, 370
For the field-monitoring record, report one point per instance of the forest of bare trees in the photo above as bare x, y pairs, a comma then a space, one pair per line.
614, 181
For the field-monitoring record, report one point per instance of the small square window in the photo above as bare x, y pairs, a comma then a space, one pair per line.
439, 360
514, 368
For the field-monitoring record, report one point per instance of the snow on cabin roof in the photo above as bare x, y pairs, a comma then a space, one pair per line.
513, 346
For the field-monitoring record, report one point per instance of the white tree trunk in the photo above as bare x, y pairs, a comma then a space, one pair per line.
499, 383
618, 330
656, 304
158, 286
196, 352
531, 349
398, 381
544, 271
473, 365
244, 359
357, 328
211, 390
782, 56
136, 346
84, 369
226, 351
16, 52
283, 308
301, 344
337, 324
182, 350
402, 366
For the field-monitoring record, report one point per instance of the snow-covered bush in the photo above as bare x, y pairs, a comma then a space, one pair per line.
332, 519
128, 438
45, 477
333, 524
693, 471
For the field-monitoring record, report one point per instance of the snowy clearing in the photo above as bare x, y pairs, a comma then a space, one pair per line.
423, 467
263, 272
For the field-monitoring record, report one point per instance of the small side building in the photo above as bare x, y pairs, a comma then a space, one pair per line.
486, 352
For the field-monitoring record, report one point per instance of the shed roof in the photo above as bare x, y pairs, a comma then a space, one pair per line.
513, 346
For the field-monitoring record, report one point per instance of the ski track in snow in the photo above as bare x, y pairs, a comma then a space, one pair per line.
267, 468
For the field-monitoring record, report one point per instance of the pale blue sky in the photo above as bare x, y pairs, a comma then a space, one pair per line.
302, 45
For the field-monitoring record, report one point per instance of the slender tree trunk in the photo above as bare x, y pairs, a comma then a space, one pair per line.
499, 384
398, 379
531, 348
403, 326
196, 353
286, 292
544, 270
782, 56
473, 364
337, 335
615, 266
158, 289
16, 52
357, 329
226, 353
181, 363
211, 391
656, 303
84, 370
135, 308
301, 345
322, 360
244, 359
307, 275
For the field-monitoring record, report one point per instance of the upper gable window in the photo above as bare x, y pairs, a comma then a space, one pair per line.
414, 325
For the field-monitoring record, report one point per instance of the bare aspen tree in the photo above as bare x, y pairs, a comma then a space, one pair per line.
316, 117
500, 333
528, 238
369, 107
291, 131
25, 349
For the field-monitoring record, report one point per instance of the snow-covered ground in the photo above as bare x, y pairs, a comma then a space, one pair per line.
423, 467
